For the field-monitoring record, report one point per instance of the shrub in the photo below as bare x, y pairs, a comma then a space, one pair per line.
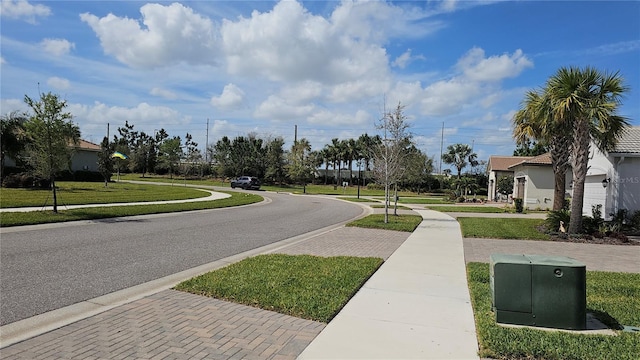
519, 205
24, 180
634, 220
552, 222
374, 186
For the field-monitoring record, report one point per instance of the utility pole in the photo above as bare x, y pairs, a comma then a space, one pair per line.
295, 134
206, 146
441, 143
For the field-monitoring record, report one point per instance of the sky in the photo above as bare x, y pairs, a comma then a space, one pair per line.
326, 68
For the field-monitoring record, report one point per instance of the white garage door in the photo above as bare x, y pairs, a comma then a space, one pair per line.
594, 193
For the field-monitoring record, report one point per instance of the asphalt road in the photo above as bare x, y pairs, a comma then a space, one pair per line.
47, 267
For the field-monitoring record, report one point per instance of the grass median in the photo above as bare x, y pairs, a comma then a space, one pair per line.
304, 286
43, 217
502, 228
80, 193
612, 296
398, 223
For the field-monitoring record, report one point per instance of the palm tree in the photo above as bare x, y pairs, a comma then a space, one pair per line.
459, 155
12, 136
350, 154
535, 120
336, 157
587, 100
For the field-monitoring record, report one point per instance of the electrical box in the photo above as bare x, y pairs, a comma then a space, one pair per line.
539, 290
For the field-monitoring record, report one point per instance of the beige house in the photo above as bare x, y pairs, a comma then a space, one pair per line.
499, 166
533, 181
84, 158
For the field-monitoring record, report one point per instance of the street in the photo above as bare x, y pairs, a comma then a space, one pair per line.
47, 267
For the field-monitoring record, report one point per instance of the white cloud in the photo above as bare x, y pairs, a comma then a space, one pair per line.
170, 35
326, 117
21, 9
290, 44
448, 97
231, 98
145, 117
57, 47
476, 67
58, 83
405, 59
301, 92
277, 108
164, 93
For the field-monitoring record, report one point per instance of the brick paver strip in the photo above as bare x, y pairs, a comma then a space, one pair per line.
177, 325
619, 258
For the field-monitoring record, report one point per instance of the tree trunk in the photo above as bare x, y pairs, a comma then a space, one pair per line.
558, 191
55, 195
395, 198
580, 160
560, 147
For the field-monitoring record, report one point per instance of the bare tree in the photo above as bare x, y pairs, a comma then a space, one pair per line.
389, 162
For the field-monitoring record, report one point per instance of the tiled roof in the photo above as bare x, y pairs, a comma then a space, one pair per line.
544, 159
86, 145
629, 142
502, 163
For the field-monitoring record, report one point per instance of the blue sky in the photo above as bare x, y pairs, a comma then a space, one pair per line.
328, 67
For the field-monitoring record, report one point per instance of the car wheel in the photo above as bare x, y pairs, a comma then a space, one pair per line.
233, 186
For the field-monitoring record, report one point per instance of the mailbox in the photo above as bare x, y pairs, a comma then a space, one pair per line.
539, 290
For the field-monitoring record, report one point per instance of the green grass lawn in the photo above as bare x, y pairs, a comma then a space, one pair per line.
472, 209
418, 200
77, 193
355, 199
610, 295
398, 223
498, 228
42, 217
304, 286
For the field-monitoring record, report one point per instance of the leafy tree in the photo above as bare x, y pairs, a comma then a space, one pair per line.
301, 167
530, 148
105, 160
275, 161
240, 156
193, 156
12, 137
51, 134
587, 100
505, 184
459, 155
170, 154
390, 156
418, 170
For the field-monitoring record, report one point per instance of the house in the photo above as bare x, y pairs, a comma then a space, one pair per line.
612, 181
84, 157
497, 167
613, 178
533, 181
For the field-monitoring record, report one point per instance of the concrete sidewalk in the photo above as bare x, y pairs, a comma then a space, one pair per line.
416, 306
213, 195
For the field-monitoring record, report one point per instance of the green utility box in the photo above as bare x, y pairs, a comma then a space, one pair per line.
539, 290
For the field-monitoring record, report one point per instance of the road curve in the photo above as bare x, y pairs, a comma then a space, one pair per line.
46, 267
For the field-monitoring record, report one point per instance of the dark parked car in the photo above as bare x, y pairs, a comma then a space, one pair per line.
246, 182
